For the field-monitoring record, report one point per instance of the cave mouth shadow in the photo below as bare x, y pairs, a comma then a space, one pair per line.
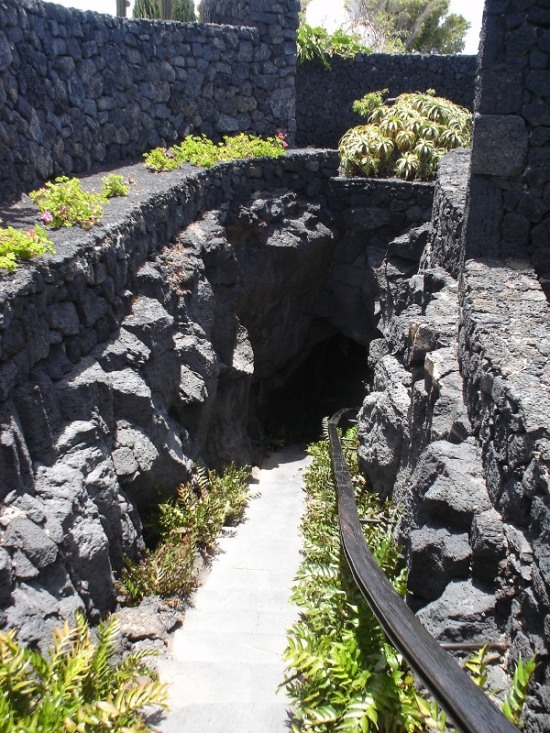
331, 377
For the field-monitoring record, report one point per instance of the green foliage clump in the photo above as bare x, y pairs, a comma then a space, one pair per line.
406, 139
317, 44
63, 202
75, 687
68, 204
342, 674
192, 521
17, 245
203, 152
198, 150
113, 185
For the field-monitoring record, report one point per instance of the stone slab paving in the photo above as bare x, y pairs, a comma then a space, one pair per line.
225, 661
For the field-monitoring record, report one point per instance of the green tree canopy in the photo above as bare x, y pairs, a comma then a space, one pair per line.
423, 26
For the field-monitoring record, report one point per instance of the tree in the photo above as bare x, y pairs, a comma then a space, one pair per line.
182, 10
422, 26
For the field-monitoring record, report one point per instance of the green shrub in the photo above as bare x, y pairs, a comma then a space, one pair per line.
317, 44
75, 687
113, 185
17, 245
192, 521
64, 203
203, 152
405, 139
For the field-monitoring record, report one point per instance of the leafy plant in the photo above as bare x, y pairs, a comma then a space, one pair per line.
17, 245
342, 673
203, 152
515, 698
64, 203
160, 159
405, 139
190, 522
166, 571
75, 687
317, 44
113, 185
212, 502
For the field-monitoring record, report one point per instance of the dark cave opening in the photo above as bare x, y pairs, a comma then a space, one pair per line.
331, 377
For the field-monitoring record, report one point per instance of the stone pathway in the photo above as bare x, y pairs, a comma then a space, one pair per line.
226, 660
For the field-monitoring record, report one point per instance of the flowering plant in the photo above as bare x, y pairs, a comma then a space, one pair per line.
17, 245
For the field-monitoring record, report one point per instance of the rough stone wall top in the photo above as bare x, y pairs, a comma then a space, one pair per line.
510, 192
78, 89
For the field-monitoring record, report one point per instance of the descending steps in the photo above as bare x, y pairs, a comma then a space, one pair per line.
226, 661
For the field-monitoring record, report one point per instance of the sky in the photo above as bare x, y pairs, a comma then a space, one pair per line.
471, 9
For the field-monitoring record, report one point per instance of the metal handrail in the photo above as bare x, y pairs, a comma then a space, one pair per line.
467, 705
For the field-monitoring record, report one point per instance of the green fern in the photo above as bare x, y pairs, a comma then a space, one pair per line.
75, 687
342, 675
190, 522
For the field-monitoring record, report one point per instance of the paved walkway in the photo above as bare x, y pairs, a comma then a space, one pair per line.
226, 659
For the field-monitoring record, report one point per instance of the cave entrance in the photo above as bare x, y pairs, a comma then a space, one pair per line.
332, 376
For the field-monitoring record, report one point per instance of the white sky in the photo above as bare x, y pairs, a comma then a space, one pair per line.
471, 9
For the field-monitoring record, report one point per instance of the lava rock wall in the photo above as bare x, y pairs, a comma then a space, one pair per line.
455, 427
510, 188
80, 89
320, 91
134, 350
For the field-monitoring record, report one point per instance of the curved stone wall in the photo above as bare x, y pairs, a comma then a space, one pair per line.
79, 89
135, 348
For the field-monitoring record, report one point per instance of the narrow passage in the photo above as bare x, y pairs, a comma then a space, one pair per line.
226, 659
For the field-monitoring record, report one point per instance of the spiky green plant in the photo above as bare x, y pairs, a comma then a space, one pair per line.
407, 138
75, 687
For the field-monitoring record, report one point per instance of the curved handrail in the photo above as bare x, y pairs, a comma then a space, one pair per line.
468, 706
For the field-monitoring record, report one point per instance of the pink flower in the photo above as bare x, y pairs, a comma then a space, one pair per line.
281, 136
46, 217
31, 232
